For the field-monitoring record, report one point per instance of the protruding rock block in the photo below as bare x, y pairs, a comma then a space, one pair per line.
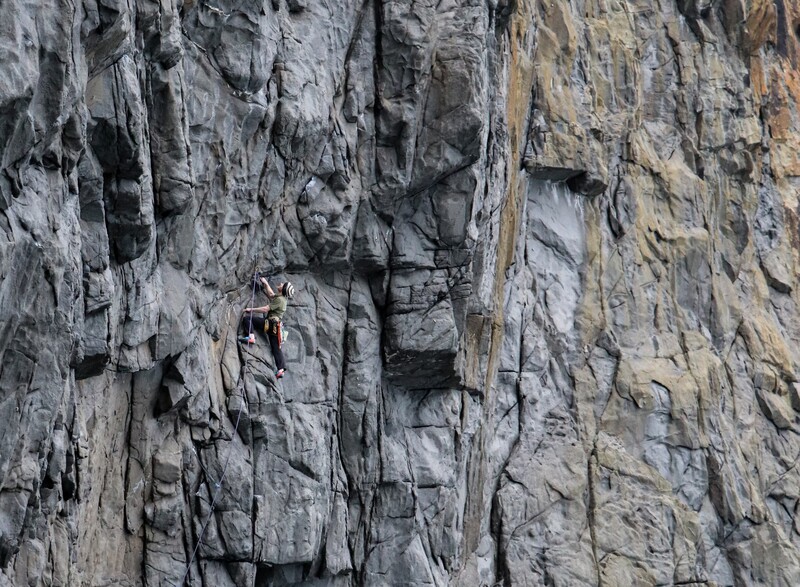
95, 349
421, 336
240, 44
117, 136
186, 378
561, 152
172, 175
776, 408
432, 95
371, 241
168, 462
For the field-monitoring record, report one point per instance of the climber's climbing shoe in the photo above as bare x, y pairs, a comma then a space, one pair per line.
279, 373
248, 339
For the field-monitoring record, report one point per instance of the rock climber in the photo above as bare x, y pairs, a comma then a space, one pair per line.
271, 324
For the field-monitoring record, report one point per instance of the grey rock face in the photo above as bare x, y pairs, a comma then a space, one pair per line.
546, 322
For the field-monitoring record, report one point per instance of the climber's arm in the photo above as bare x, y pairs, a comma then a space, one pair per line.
259, 309
267, 288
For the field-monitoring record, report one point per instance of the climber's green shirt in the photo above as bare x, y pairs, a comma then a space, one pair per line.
277, 307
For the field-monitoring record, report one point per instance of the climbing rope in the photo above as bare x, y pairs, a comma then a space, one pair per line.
218, 484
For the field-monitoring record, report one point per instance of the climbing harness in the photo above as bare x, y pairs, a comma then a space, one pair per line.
218, 484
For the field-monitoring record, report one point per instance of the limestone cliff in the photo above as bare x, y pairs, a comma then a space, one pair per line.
547, 323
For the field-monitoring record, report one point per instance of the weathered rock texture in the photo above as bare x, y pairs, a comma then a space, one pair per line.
547, 322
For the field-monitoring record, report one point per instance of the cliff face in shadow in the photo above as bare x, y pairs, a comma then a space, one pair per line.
546, 329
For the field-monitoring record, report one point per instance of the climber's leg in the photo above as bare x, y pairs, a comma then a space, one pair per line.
249, 327
280, 363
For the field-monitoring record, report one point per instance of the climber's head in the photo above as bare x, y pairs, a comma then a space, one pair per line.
287, 289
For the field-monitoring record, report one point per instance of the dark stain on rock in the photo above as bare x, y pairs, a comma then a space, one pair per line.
782, 32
